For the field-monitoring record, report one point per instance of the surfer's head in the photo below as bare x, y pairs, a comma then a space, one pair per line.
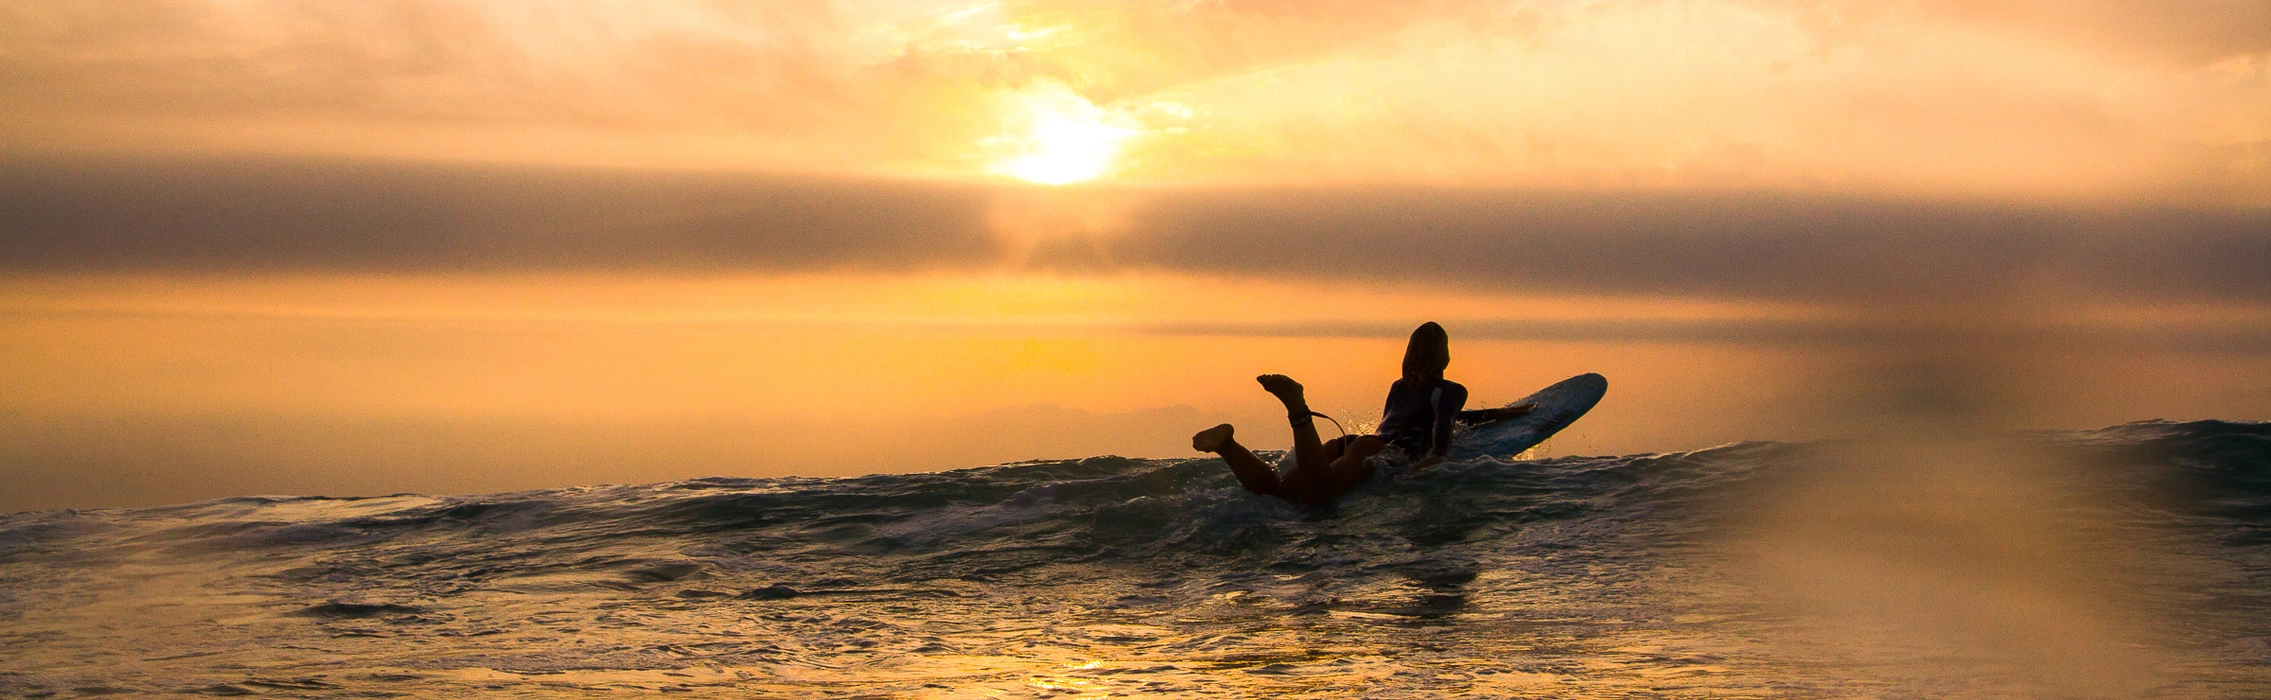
1428, 354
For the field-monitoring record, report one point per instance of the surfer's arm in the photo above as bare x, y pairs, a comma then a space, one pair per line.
1448, 397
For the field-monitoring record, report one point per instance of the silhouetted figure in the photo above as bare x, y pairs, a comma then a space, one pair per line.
1421, 412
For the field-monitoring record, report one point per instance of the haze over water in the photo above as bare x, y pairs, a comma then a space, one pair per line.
162, 325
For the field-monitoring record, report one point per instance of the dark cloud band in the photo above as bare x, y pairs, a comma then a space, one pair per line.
262, 215
1782, 246
256, 214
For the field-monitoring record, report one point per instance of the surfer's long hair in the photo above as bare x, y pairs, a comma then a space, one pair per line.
1429, 353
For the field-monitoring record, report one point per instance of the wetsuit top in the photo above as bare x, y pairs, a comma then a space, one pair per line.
1418, 421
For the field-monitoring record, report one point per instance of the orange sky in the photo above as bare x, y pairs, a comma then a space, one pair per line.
2159, 100
445, 246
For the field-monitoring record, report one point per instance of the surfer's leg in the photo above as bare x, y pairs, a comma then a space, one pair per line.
1254, 474
1309, 476
1353, 466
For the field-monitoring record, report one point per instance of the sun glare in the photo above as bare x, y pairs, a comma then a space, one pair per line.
1057, 137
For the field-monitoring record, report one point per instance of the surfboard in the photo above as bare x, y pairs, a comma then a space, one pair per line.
1558, 406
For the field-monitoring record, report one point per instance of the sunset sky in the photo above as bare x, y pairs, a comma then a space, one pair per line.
452, 246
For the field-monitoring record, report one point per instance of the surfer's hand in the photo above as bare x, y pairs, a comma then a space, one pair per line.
1431, 460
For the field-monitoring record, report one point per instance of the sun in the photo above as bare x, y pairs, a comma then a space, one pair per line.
1057, 137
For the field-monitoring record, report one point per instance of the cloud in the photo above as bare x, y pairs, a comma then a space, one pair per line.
2004, 100
267, 214
1761, 246
241, 214
406, 59
2179, 31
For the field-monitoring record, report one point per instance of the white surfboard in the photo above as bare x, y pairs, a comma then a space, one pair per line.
1558, 406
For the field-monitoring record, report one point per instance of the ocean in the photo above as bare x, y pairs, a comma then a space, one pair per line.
2131, 561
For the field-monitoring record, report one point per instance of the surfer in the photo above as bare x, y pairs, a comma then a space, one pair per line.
1421, 412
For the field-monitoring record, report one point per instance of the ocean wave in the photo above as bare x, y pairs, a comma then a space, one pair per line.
1084, 507
1132, 556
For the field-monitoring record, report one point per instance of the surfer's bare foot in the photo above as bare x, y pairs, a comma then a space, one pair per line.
1285, 389
1212, 439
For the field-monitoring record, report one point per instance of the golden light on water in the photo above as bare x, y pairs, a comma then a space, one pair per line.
1057, 137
